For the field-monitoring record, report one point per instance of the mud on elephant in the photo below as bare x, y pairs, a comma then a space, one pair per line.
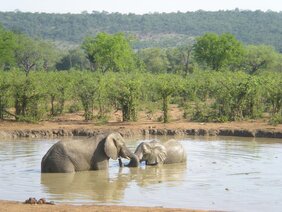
89, 154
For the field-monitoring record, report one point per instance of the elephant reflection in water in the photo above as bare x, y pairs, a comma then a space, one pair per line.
94, 185
100, 187
171, 174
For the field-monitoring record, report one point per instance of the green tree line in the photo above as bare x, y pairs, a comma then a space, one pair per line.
203, 96
217, 78
114, 52
154, 30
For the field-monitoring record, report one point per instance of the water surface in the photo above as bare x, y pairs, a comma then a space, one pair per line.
222, 173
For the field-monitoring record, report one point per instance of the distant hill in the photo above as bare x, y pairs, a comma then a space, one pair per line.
156, 29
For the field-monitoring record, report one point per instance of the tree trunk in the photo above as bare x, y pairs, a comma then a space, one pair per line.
165, 108
52, 105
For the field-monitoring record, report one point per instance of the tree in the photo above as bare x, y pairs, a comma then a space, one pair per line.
109, 52
27, 93
166, 85
27, 53
258, 57
186, 53
5, 93
74, 59
155, 59
34, 54
86, 90
272, 91
103, 93
7, 45
56, 86
174, 59
126, 93
217, 51
49, 55
180, 59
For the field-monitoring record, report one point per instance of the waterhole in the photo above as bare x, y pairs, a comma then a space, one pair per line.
222, 173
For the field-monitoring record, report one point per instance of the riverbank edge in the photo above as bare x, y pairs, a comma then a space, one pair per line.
62, 132
15, 206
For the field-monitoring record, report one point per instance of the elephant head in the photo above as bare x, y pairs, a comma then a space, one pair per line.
152, 153
89, 154
115, 147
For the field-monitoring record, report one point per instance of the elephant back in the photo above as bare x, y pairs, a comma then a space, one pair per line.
175, 152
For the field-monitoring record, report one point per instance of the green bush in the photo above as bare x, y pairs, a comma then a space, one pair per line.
276, 119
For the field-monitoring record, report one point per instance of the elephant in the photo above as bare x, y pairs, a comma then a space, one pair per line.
89, 154
155, 152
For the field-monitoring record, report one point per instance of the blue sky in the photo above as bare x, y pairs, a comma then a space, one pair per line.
136, 6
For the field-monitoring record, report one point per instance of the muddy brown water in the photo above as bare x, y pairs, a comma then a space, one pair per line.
222, 173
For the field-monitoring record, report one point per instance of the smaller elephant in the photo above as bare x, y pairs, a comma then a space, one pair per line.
89, 154
155, 152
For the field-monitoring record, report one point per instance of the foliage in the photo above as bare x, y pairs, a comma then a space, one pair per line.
224, 96
27, 53
180, 59
258, 57
56, 86
49, 55
272, 91
7, 45
165, 86
27, 96
154, 30
171, 60
33, 55
130, 82
86, 89
74, 59
126, 93
205, 95
276, 119
4, 94
109, 52
217, 51
155, 60
236, 96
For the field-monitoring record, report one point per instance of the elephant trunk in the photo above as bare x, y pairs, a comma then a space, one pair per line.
128, 154
134, 161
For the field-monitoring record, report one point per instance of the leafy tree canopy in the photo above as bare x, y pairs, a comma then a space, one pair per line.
7, 45
109, 52
258, 57
154, 30
218, 51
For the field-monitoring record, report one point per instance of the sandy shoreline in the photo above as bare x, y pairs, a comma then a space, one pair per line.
13, 206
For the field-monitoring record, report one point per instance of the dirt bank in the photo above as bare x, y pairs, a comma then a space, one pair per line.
58, 128
12, 206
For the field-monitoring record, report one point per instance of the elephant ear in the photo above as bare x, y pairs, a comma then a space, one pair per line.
111, 145
140, 151
159, 151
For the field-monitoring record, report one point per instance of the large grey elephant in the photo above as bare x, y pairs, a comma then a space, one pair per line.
89, 154
155, 152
